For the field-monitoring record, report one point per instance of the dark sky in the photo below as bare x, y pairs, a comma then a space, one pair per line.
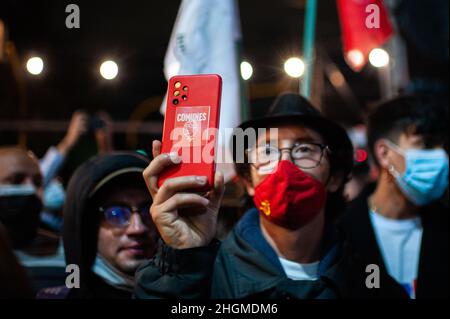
135, 33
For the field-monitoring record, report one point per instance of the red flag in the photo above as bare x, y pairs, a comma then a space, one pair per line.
365, 26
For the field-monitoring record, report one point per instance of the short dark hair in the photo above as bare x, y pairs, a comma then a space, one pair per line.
414, 114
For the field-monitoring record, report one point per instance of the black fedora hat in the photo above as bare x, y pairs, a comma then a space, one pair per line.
292, 108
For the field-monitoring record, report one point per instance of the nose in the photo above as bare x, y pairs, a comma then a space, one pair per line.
39, 189
136, 226
28, 181
286, 155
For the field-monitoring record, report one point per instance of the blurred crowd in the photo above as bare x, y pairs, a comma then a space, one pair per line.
327, 222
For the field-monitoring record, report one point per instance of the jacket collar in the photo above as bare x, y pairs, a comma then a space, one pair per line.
249, 229
363, 236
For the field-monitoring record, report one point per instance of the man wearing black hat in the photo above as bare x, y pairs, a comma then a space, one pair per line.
285, 246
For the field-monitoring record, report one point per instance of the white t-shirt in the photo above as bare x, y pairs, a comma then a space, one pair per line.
399, 242
296, 271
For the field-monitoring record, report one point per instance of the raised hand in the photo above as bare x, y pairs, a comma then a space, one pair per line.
78, 126
184, 219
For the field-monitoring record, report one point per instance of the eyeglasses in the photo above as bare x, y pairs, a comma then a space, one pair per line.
304, 155
119, 216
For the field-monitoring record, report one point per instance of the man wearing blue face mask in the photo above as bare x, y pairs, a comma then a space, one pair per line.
402, 224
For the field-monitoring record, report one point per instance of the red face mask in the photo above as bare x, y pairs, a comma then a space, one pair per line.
289, 197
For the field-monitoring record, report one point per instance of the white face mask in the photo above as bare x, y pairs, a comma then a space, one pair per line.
112, 275
426, 175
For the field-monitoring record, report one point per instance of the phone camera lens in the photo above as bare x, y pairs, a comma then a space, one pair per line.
184, 97
175, 101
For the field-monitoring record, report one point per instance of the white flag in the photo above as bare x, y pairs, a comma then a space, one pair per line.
205, 41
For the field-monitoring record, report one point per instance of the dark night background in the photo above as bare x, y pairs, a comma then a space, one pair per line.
136, 33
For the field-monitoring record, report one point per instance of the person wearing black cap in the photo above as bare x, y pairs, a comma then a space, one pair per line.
286, 246
108, 232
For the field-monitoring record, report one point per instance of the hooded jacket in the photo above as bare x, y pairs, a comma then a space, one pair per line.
81, 221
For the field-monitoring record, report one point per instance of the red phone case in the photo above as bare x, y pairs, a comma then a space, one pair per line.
190, 126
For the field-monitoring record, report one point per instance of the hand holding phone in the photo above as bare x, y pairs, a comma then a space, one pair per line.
184, 219
183, 168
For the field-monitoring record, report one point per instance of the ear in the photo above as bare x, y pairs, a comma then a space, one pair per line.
381, 152
249, 187
335, 182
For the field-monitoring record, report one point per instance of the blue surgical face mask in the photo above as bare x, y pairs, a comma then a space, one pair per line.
54, 196
426, 175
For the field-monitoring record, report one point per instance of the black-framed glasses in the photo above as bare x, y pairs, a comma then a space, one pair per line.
305, 155
119, 216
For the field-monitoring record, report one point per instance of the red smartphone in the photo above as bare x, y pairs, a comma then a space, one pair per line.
191, 126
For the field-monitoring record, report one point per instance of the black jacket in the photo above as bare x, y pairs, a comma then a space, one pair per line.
433, 277
82, 220
245, 266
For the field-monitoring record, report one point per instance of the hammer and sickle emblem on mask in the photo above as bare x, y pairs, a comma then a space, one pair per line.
265, 207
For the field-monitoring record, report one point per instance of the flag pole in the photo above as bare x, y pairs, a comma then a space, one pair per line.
308, 47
